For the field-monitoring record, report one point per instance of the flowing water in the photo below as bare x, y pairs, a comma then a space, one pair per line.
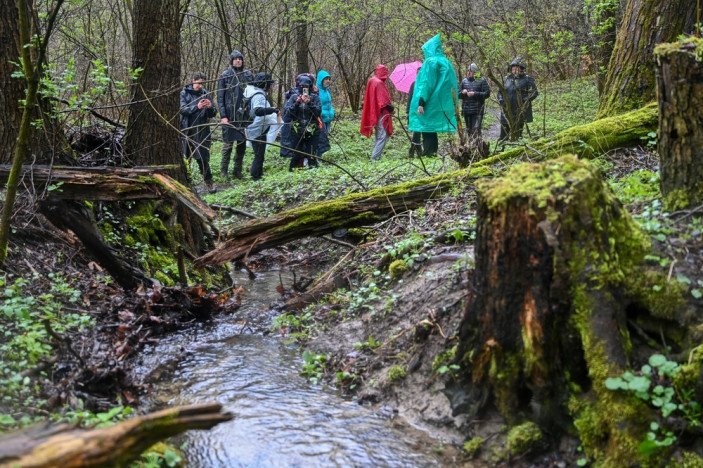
280, 419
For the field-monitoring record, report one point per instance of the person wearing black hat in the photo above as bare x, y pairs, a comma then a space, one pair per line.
473, 91
230, 95
303, 110
264, 116
516, 110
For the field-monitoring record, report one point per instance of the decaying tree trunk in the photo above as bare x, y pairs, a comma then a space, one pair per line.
111, 184
367, 208
12, 88
629, 82
558, 262
680, 142
116, 445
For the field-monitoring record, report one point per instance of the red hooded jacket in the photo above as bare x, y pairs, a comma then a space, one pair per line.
376, 99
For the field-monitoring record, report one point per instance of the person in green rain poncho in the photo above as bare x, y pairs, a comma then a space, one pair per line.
432, 104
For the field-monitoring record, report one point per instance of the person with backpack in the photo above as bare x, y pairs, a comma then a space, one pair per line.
303, 110
324, 80
230, 94
196, 108
259, 110
516, 101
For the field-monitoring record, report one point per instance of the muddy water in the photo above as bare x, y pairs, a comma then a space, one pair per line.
280, 419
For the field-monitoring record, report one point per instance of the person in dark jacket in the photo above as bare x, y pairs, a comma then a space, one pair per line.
516, 110
230, 95
303, 110
286, 142
473, 93
196, 109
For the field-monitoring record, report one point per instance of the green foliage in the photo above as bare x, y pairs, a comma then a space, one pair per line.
85, 418
443, 363
523, 438
654, 384
160, 455
314, 366
25, 340
472, 446
298, 326
639, 186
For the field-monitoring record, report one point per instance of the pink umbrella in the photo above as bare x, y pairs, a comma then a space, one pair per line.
404, 75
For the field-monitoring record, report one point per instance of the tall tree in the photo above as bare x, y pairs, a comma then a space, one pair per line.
152, 127
302, 44
12, 88
629, 82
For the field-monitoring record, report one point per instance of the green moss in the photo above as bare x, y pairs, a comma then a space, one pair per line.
663, 298
683, 46
472, 446
688, 376
523, 438
689, 460
504, 379
396, 373
397, 268
676, 200
444, 359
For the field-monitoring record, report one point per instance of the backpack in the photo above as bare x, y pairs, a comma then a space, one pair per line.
245, 114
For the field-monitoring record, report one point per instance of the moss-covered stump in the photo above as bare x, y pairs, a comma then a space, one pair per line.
557, 264
680, 145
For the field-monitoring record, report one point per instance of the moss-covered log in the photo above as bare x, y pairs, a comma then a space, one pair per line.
367, 208
558, 262
629, 82
111, 184
117, 445
680, 143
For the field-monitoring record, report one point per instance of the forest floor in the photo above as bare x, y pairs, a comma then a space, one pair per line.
387, 338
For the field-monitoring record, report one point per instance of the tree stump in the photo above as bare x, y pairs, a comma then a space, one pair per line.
557, 264
680, 145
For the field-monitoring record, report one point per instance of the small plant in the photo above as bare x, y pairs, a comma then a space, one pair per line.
653, 384
396, 373
370, 344
314, 366
472, 446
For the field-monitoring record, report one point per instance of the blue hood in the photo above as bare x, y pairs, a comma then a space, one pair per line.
321, 75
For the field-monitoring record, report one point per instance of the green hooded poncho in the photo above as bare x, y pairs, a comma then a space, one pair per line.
434, 84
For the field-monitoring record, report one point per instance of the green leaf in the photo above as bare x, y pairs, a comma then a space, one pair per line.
697, 293
657, 360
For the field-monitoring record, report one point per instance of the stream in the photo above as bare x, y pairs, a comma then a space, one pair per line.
280, 419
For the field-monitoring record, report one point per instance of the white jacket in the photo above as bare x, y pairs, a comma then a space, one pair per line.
260, 124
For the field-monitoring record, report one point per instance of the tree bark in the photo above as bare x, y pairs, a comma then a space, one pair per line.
302, 45
112, 446
557, 259
12, 88
680, 136
630, 81
152, 135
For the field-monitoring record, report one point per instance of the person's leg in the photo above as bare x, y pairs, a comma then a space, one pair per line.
467, 124
257, 165
471, 125
416, 145
239, 158
478, 124
380, 142
227, 144
430, 143
504, 127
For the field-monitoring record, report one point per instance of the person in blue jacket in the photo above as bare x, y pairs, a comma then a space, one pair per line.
324, 80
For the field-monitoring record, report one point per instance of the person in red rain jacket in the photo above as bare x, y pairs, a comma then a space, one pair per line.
377, 111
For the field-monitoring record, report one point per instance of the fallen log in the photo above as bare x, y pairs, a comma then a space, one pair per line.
367, 208
66, 446
110, 184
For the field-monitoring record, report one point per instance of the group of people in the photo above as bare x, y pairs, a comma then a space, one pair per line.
431, 102
246, 114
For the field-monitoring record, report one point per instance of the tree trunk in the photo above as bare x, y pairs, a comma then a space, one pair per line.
302, 46
117, 445
558, 262
12, 88
152, 129
630, 82
680, 137
321, 218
